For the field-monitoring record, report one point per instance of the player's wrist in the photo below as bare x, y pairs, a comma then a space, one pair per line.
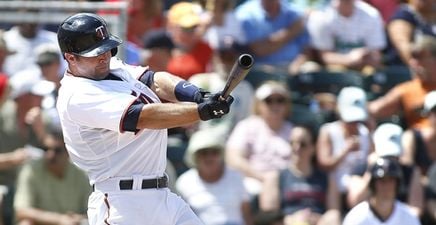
187, 92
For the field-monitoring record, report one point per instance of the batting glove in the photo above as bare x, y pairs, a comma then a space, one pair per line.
201, 95
213, 107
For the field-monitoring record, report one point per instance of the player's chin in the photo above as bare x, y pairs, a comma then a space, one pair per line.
101, 71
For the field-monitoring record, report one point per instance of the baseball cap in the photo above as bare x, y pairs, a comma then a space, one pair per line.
47, 54
203, 139
387, 140
352, 104
158, 39
30, 81
185, 14
429, 101
269, 88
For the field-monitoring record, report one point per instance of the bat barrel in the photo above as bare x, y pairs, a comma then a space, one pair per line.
245, 61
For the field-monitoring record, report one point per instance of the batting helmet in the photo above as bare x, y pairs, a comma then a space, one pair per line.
386, 167
86, 34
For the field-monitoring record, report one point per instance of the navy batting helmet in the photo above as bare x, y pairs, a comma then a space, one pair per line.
386, 167
86, 34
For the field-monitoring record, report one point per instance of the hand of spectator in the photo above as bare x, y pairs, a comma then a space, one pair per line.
352, 143
302, 217
19, 156
357, 57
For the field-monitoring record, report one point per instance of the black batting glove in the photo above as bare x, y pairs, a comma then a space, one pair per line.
201, 95
214, 107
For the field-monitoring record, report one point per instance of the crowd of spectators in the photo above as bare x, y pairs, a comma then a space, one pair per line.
372, 160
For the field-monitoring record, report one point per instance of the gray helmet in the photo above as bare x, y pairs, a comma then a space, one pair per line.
86, 34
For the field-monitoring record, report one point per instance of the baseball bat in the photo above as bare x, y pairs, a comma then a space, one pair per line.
239, 71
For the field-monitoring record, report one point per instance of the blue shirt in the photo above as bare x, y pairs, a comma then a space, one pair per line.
257, 25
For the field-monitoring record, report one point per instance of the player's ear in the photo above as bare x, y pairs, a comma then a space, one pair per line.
69, 57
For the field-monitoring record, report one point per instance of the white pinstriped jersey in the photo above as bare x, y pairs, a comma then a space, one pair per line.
91, 114
361, 214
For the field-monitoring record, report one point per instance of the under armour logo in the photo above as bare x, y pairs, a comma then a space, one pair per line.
101, 32
216, 112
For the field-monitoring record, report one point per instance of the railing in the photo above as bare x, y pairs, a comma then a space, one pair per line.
54, 12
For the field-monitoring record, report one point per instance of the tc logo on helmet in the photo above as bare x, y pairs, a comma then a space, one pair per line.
101, 32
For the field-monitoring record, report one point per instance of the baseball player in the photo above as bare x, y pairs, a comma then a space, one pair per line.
382, 208
115, 126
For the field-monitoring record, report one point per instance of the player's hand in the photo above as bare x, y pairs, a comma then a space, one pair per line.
214, 107
201, 96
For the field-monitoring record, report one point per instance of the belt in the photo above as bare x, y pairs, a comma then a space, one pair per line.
160, 182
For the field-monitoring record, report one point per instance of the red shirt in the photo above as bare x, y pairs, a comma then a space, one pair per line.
190, 63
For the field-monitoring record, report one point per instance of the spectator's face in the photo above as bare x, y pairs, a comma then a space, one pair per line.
301, 144
423, 63
271, 6
424, 5
209, 160
184, 38
28, 30
274, 108
432, 118
51, 72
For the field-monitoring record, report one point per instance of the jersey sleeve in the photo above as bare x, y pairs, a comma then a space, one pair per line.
104, 110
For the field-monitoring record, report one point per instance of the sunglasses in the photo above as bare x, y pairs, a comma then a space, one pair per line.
275, 100
303, 144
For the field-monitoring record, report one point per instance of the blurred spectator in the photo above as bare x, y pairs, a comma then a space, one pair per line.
205, 187
51, 190
143, 16
408, 97
419, 144
348, 34
26, 93
259, 143
303, 193
382, 206
387, 142
409, 21
307, 7
431, 195
158, 47
275, 32
225, 56
344, 142
4, 51
386, 8
23, 38
222, 23
192, 55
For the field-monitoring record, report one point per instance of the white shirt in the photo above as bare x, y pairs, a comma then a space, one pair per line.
91, 114
215, 203
25, 56
361, 214
231, 28
331, 31
343, 170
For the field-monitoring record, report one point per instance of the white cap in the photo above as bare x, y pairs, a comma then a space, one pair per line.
269, 88
30, 81
387, 140
352, 104
203, 139
430, 101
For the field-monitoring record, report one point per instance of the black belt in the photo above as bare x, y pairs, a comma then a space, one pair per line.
161, 182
